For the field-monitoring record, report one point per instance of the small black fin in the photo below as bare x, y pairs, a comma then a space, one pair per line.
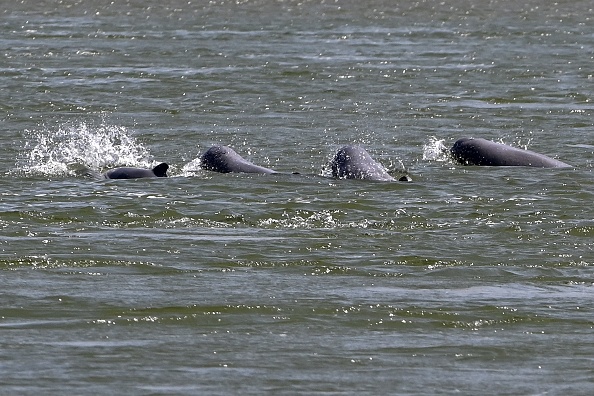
161, 170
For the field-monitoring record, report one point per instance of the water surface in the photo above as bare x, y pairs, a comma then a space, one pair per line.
469, 279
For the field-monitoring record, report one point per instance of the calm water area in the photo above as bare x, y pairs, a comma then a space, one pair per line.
467, 280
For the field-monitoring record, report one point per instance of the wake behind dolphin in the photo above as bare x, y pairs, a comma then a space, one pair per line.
224, 159
469, 151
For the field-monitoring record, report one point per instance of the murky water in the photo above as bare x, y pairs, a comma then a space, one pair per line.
469, 279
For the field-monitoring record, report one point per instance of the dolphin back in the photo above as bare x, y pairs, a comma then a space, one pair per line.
137, 173
469, 151
354, 162
224, 159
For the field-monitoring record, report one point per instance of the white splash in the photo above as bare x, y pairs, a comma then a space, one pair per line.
191, 168
435, 150
69, 147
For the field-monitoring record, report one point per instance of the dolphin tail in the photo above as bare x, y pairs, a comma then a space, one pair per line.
161, 170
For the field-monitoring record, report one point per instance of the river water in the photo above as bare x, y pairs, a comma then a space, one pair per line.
470, 280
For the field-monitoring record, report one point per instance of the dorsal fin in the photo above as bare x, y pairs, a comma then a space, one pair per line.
161, 170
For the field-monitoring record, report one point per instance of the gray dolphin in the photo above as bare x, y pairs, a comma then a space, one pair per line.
469, 151
135, 173
224, 159
354, 162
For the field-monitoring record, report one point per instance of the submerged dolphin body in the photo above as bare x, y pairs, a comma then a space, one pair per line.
224, 159
136, 173
354, 162
469, 151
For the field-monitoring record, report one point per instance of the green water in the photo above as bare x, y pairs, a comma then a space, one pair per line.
468, 280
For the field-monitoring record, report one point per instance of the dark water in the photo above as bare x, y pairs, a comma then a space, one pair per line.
467, 280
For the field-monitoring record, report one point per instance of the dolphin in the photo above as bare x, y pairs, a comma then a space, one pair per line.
354, 162
135, 173
224, 159
470, 151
